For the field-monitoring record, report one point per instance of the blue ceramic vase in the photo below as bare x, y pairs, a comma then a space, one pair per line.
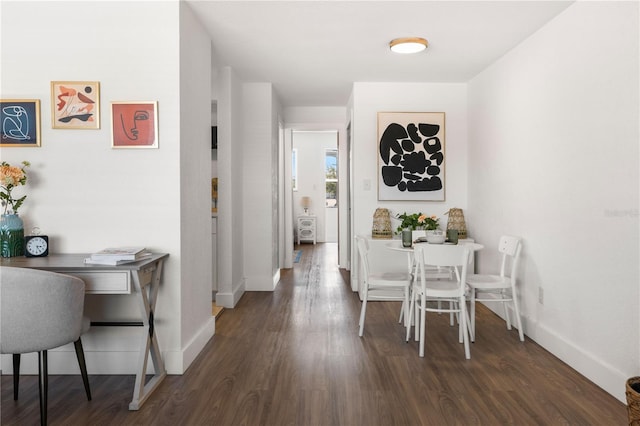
11, 236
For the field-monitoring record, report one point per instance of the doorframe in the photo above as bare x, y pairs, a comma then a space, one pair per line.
286, 241
343, 189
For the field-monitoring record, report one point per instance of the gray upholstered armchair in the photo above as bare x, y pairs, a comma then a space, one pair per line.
40, 310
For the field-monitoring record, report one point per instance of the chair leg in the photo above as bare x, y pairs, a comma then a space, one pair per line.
363, 311
43, 379
16, 375
451, 313
405, 308
412, 305
460, 323
83, 366
506, 311
423, 303
416, 322
463, 327
516, 308
472, 321
468, 324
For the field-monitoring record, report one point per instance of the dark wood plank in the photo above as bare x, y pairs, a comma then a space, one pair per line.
293, 357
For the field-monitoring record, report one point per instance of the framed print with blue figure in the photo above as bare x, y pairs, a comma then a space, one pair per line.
20, 122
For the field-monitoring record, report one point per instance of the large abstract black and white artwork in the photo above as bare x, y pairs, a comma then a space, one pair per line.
411, 156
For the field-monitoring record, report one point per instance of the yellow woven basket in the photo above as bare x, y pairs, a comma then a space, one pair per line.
381, 225
633, 400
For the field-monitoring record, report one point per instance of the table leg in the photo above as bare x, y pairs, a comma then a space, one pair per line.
408, 322
147, 299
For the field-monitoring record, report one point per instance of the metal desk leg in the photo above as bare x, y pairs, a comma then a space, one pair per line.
148, 294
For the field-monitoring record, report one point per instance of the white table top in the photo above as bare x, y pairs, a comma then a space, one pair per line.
397, 245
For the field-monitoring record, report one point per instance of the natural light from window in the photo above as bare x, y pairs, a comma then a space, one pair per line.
331, 178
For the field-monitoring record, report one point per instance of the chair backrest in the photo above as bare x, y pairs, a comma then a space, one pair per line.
456, 256
39, 310
363, 252
510, 247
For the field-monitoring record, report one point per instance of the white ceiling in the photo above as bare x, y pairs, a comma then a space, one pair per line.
313, 51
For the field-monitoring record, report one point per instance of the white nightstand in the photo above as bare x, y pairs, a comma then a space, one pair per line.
307, 228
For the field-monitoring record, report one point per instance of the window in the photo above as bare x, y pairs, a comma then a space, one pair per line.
331, 178
294, 169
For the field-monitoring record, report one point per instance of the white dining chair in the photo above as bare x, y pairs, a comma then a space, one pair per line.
375, 283
428, 293
41, 310
500, 288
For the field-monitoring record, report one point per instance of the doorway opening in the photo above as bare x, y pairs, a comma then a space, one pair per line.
315, 180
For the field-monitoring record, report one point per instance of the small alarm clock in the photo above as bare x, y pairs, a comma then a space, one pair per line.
36, 245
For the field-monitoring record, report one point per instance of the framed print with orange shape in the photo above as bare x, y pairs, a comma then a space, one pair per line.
134, 124
75, 105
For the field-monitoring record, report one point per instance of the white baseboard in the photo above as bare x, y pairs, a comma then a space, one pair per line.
229, 300
604, 375
276, 279
177, 362
598, 371
260, 283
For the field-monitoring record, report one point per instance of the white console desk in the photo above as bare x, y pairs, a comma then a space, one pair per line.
384, 259
141, 278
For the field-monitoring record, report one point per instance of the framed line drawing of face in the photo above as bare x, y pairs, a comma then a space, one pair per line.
20, 122
134, 124
75, 105
411, 156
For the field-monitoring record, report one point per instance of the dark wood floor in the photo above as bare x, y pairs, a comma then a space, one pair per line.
293, 357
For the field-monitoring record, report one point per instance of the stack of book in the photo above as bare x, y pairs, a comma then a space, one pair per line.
117, 256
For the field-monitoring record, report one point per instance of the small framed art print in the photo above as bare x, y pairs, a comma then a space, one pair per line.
134, 124
20, 122
75, 105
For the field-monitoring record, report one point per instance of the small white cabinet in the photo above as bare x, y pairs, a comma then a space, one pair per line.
307, 228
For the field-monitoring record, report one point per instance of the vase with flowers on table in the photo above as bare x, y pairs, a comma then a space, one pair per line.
11, 225
418, 226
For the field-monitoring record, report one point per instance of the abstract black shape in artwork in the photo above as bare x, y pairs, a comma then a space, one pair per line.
427, 184
391, 175
389, 141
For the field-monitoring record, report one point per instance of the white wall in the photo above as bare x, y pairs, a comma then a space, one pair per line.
257, 164
197, 324
553, 157
312, 147
86, 195
231, 281
371, 98
276, 195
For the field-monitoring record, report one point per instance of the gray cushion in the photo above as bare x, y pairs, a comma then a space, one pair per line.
39, 310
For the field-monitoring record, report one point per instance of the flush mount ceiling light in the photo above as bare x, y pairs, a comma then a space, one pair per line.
408, 45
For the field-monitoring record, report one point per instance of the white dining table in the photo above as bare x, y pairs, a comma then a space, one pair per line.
397, 245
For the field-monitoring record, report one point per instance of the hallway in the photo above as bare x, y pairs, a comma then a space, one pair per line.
293, 357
